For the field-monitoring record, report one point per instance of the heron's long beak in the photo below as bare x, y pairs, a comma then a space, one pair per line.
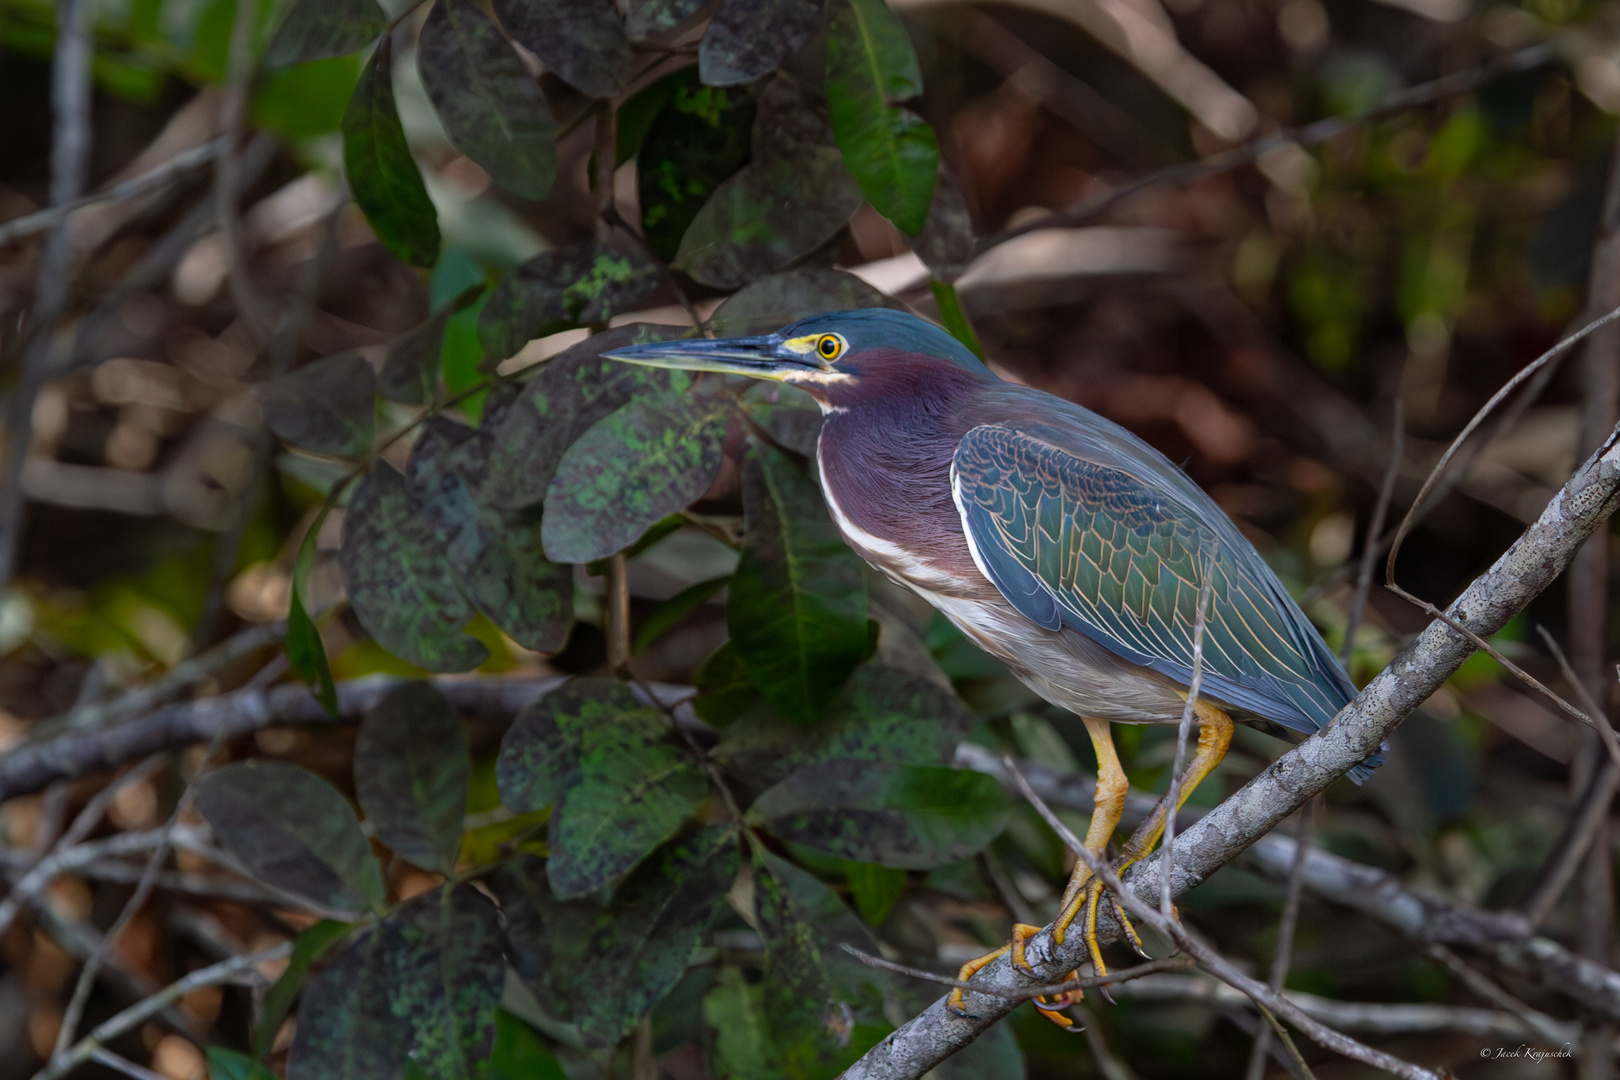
766, 357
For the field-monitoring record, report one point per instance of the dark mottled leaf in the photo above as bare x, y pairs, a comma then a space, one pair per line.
306, 652
418, 993
787, 414
946, 241
585, 283
382, 173
663, 618
881, 715
804, 1009
312, 943
699, 138
581, 40
328, 407
736, 1010
412, 775
573, 390
410, 372
874, 888
907, 816
292, 829
774, 301
635, 117
546, 937
491, 109
652, 457
797, 605
618, 787
649, 18
640, 943
401, 586
891, 151
495, 556
791, 199
749, 39
320, 29
520, 1053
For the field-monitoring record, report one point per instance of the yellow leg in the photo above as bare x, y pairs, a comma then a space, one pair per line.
1110, 804
1214, 736
1105, 815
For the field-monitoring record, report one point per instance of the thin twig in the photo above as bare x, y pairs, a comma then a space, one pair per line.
87, 975
102, 1056
54, 277
68, 1058
165, 172
1369, 551
1172, 798
1559, 867
1286, 924
1539, 1024
1599, 713
250, 304
1211, 961
1320, 131
1152, 967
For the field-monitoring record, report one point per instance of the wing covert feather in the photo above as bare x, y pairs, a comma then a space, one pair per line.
1068, 540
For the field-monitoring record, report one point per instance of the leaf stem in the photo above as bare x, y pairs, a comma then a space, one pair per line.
952, 315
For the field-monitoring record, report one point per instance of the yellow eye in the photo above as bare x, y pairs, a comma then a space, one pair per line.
829, 346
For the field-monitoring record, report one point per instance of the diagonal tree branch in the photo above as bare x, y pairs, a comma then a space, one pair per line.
1518, 576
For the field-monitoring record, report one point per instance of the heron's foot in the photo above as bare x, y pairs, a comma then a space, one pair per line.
1021, 932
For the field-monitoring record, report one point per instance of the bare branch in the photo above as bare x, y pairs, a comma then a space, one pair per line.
20, 228
1217, 965
1026, 993
223, 972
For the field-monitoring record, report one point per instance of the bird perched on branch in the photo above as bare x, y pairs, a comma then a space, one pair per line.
1056, 540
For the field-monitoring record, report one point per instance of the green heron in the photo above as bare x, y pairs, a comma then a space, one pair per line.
1056, 540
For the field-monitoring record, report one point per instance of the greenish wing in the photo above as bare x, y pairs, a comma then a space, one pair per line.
1072, 542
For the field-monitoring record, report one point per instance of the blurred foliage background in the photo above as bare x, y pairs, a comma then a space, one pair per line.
1258, 324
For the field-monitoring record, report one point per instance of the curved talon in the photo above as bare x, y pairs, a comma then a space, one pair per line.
1125, 923
956, 1001
1022, 932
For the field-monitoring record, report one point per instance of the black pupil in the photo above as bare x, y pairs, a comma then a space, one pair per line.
828, 346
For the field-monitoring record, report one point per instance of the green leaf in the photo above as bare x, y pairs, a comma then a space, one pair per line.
292, 829
584, 283
874, 888
495, 556
649, 18
799, 995
411, 774
308, 100
312, 943
410, 371
574, 390
306, 652
320, 29
772, 302
736, 1010
724, 688
581, 40
881, 715
491, 109
662, 619
226, 1064
953, 316
641, 942
605, 763
907, 816
402, 590
327, 407
792, 198
891, 151
749, 39
520, 1053
652, 457
418, 992
699, 138
797, 605
381, 171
